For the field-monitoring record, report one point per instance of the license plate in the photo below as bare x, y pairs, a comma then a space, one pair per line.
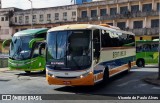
66, 82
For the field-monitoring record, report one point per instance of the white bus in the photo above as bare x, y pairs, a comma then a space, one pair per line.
85, 54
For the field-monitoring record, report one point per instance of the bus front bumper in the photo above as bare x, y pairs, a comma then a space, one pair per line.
87, 80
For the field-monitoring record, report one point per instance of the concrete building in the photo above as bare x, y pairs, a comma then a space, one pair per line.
14, 19
44, 17
138, 16
6, 18
0, 4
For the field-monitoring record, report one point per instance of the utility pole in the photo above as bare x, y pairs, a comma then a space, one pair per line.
31, 14
159, 59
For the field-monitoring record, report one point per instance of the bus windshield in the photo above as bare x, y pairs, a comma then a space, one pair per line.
69, 50
19, 48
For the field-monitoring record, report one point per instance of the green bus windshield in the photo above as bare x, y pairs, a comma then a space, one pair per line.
19, 47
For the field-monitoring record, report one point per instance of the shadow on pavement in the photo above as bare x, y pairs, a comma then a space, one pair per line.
92, 89
33, 74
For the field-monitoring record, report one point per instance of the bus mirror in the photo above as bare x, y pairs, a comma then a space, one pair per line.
6, 43
41, 48
34, 40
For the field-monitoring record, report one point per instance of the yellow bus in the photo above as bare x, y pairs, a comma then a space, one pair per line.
85, 54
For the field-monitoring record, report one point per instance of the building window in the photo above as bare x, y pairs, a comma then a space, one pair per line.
6, 18
147, 7
26, 19
155, 23
34, 18
123, 10
40, 18
135, 8
138, 24
20, 19
103, 12
15, 19
93, 13
73, 13
121, 25
158, 6
2, 18
113, 11
84, 14
56, 16
65, 16
48, 17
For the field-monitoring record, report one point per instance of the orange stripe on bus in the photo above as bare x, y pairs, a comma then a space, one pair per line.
118, 69
88, 80
98, 77
133, 63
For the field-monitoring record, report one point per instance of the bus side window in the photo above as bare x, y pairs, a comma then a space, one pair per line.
96, 43
127, 40
109, 39
36, 49
106, 39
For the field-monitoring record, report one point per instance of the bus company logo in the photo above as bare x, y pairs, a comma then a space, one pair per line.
6, 97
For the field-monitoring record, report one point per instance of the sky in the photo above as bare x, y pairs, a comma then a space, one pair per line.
25, 4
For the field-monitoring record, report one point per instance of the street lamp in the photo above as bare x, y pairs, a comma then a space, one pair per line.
31, 14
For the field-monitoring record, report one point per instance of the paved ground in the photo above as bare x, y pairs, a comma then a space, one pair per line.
18, 82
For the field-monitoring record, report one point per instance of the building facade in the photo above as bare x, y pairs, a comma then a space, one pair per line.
6, 18
0, 4
44, 17
138, 16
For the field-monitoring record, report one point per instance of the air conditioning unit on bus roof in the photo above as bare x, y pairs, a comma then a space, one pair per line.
110, 26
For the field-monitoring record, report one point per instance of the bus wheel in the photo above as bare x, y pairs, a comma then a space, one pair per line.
28, 71
105, 76
140, 63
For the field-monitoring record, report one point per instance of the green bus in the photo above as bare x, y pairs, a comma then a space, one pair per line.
147, 52
24, 52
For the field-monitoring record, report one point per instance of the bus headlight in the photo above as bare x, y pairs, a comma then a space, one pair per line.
85, 74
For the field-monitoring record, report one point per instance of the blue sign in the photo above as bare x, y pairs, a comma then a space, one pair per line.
81, 1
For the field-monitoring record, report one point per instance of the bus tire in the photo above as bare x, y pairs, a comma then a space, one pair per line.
28, 72
140, 63
105, 76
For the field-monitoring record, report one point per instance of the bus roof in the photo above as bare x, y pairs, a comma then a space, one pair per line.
85, 26
31, 32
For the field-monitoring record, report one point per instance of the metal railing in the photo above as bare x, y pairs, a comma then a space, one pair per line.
121, 16
145, 31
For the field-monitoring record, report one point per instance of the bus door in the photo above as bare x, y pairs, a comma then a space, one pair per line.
96, 45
